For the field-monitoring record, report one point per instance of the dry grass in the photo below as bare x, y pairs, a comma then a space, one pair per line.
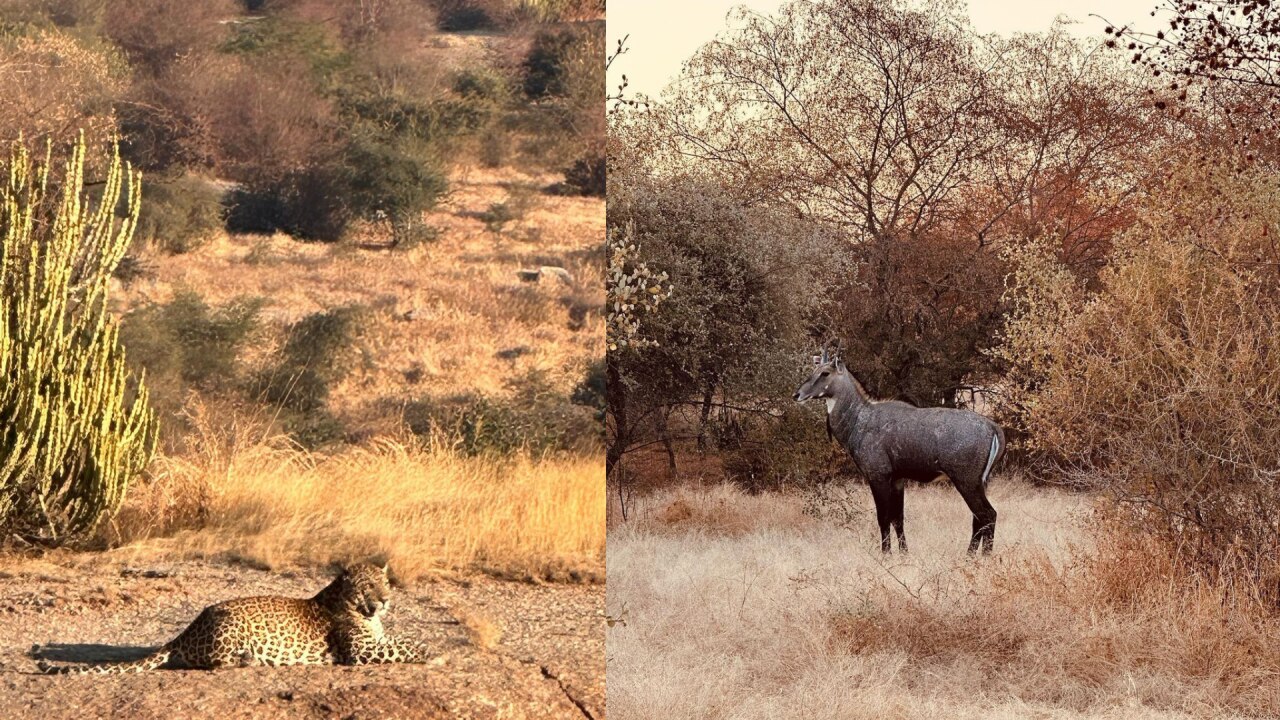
482, 632
427, 511
717, 616
440, 311
438, 315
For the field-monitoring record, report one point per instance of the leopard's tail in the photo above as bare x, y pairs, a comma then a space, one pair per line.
150, 662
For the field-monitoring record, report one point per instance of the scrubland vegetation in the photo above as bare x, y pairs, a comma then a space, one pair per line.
1078, 237
725, 604
319, 301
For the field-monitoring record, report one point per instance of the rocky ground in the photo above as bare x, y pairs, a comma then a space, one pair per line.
504, 649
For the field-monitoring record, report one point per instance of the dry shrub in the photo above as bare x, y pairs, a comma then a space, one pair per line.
267, 121
1054, 635
714, 511
399, 23
156, 33
53, 83
1164, 388
427, 510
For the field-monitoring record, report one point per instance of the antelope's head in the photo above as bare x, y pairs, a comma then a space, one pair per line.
825, 371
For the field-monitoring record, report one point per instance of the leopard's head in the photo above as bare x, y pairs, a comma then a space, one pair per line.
363, 588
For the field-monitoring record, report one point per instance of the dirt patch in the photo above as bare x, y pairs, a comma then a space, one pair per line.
545, 660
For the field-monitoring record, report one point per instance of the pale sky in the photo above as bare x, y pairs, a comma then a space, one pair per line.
664, 33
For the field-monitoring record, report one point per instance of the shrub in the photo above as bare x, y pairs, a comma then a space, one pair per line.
546, 65
76, 427
534, 418
156, 33
395, 178
495, 147
315, 354
520, 200
308, 204
563, 73
461, 15
180, 215
55, 80
186, 346
481, 85
1161, 390
591, 391
587, 176
279, 36
769, 453
185, 342
464, 15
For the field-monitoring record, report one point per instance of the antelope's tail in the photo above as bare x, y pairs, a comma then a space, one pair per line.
997, 450
150, 662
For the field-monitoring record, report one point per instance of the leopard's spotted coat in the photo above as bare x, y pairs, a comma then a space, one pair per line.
342, 624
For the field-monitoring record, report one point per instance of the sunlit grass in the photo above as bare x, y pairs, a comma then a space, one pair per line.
427, 511
725, 605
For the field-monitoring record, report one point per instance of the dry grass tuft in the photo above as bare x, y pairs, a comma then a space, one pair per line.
427, 511
796, 617
717, 510
481, 631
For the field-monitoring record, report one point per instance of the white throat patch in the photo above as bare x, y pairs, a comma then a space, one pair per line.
831, 405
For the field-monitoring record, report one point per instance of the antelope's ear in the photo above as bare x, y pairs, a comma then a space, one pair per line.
840, 365
385, 566
817, 360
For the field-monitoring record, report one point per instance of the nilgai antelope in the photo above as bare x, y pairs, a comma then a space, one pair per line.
893, 442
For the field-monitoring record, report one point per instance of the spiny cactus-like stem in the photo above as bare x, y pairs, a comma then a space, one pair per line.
73, 429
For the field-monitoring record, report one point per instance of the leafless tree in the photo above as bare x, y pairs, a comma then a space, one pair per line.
865, 113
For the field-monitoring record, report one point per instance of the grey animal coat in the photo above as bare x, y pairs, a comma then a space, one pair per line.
893, 442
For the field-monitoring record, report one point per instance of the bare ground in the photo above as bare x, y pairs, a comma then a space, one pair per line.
504, 649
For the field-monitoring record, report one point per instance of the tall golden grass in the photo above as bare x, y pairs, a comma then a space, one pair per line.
427, 510
727, 605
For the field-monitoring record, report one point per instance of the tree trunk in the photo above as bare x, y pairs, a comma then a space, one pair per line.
707, 397
616, 403
664, 434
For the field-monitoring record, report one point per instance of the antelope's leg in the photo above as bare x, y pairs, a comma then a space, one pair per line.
984, 515
882, 493
896, 498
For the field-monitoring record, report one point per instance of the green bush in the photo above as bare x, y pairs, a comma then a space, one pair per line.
309, 205
587, 176
395, 178
461, 15
592, 390
180, 215
185, 344
481, 84
316, 353
535, 418
520, 200
286, 37
545, 67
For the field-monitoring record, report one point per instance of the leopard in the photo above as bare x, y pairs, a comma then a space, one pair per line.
341, 625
